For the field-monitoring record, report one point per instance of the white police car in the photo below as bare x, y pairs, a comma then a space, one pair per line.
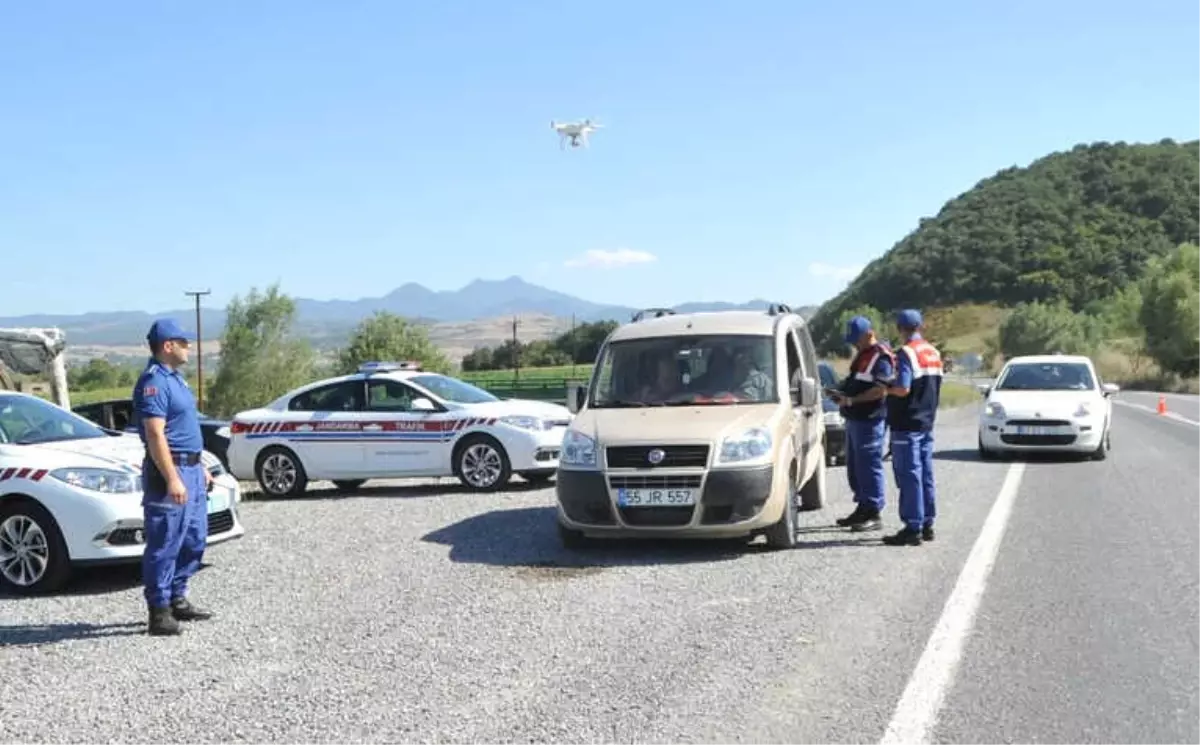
393, 420
70, 495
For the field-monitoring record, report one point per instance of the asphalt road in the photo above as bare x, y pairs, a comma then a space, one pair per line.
412, 613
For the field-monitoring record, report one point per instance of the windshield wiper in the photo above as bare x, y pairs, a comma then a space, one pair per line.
621, 403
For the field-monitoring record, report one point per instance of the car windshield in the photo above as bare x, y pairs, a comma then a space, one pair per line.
686, 371
1047, 376
453, 389
26, 420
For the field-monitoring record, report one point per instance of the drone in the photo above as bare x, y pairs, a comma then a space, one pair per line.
576, 132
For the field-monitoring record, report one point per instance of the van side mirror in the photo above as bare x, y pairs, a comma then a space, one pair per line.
804, 392
576, 397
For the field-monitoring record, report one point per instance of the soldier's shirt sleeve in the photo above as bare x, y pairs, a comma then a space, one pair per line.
904, 371
883, 372
150, 396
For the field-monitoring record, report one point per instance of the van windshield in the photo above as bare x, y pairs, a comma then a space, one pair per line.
707, 370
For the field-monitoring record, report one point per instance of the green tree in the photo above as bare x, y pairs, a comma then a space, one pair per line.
99, 374
479, 358
1046, 328
386, 337
1122, 322
1170, 312
260, 359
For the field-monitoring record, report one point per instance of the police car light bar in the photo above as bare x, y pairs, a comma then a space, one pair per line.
382, 367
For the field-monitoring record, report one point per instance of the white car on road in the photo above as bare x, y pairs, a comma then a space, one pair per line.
392, 420
1047, 403
71, 494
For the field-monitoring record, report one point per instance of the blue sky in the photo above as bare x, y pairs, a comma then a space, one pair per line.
344, 148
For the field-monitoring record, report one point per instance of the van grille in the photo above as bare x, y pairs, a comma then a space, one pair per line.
676, 456
654, 482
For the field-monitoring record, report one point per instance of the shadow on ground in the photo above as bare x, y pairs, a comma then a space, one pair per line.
528, 538
43, 634
385, 491
95, 580
971, 455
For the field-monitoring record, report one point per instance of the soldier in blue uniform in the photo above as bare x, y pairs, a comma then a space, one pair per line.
912, 409
862, 401
175, 483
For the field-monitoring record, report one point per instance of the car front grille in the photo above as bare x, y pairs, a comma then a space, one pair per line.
650, 481
1037, 423
675, 456
220, 522
1046, 440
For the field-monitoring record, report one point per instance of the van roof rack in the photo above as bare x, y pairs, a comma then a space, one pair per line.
653, 313
385, 367
778, 309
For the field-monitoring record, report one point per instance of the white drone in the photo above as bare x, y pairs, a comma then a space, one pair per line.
576, 132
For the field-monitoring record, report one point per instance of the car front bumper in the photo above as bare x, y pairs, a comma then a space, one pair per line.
732, 502
1059, 435
530, 450
112, 532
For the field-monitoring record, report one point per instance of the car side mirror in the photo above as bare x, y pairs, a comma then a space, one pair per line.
804, 392
423, 405
1109, 389
984, 389
576, 397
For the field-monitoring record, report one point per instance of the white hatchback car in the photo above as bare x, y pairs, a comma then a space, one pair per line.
1047, 403
391, 420
71, 494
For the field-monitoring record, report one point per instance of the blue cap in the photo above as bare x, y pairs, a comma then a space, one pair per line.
909, 319
168, 329
857, 326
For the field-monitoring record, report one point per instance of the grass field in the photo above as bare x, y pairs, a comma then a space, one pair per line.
501, 378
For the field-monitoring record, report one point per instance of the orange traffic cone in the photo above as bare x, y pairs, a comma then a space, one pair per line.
1162, 404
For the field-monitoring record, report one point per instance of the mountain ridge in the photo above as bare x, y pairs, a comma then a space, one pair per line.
329, 321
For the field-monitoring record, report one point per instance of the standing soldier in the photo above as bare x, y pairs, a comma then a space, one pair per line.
175, 482
862, 400
912, 408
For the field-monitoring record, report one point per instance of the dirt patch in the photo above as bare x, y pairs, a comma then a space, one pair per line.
550, 571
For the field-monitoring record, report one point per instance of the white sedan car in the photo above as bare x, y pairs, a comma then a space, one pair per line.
391, 420
71, 493
1047, 403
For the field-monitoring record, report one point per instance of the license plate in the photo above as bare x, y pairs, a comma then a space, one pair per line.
1024, 430
656, 497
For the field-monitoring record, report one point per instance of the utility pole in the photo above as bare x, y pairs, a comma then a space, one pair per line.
197, 294
516, 351
574, 346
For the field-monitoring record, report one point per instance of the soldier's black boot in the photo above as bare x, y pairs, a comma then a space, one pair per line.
163, 623
927, 533
905, 537
857, 516
183, 610
869, 521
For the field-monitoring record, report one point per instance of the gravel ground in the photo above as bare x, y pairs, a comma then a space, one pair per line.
412, 612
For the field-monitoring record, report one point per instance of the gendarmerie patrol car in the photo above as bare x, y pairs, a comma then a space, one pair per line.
71, 494
393, 420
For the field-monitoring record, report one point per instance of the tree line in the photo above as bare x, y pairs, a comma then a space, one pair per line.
580, 345
1154, 319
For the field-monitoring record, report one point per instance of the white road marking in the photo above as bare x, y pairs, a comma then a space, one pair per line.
917, 711
1154, 411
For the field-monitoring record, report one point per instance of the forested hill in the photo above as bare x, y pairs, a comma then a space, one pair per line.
1075, 226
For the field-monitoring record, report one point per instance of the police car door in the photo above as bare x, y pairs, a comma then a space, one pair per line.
406, 441
323, 427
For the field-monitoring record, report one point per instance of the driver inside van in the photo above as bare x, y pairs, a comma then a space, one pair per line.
665, 382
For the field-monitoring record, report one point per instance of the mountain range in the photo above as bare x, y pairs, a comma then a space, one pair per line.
328, 322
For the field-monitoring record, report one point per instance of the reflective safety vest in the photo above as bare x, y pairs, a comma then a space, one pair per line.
917, 411
864, 376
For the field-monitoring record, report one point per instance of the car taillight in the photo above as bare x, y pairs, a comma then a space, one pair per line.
238, 428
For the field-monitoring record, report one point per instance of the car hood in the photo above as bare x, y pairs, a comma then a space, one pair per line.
519, 407
666, 424
1050, 404
124, 452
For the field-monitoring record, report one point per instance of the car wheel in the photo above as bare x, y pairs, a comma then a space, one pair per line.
280, 473
782, 535
349, 485
1101, 452
984, 453
571, 540
33, 555
481, 463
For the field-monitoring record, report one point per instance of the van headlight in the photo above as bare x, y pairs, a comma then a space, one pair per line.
98, 480
578, 450
749, 445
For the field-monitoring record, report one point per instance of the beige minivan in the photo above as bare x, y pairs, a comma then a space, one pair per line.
705, 425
